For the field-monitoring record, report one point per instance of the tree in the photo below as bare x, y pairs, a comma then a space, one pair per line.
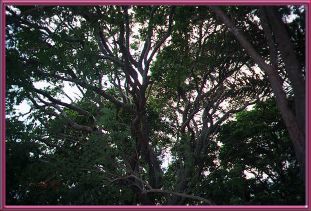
278, 40
149, 82
257, 160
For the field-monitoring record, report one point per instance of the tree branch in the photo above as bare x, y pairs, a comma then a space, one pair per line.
183, 195
163, 39
87, 86
148, 189
70, 106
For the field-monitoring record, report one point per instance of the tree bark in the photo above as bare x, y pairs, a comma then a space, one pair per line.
140, 132
295, 131
292, 66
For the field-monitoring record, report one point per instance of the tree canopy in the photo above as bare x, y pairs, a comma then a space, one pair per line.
155, 105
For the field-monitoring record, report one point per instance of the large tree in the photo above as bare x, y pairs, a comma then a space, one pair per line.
114, 91
284, 55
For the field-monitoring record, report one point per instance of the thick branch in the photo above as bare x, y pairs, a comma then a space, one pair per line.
148, 189
87, 86
292, 65
163, 39
183, 195
295, 132
71, 106
147, 43
268, 34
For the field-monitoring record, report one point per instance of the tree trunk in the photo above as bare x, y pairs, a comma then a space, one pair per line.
292, 66
140, 133
183, 176
296, 133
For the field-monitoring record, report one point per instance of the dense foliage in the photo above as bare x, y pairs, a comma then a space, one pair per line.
119, 105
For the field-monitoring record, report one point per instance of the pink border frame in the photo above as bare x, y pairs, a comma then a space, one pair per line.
148, 2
